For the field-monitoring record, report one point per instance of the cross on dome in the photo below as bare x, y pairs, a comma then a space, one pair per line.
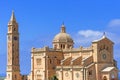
63, 29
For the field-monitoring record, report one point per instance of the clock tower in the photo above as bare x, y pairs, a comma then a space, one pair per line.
13, 67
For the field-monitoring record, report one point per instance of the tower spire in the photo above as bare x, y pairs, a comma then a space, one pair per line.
63, 29
12, 17
13, 67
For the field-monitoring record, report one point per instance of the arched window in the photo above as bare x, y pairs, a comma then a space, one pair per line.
63, 46
15, 77
38, 75
14, 29
104, 78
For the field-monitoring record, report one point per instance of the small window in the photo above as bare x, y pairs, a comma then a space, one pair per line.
15, 77
50, 61
63, 46
90, 72
8, 75
38, 61
14, 29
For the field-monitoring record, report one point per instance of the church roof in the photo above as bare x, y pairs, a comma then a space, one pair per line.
67, 61
103, 37
108, 69
86, 58
90, 65
76, 58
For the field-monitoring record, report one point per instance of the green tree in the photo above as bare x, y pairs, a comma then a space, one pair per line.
54, 78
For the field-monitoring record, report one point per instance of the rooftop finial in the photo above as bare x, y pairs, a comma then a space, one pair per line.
63, 24
63, 30
104, 35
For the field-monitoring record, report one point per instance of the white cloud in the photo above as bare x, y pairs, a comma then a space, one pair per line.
85, 37
114, 26
90, 33
114, 23
113, 30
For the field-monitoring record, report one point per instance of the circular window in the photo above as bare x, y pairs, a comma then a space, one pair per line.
66, 74
104, 56
15, 38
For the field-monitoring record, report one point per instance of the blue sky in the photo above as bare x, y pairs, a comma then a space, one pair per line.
40, 20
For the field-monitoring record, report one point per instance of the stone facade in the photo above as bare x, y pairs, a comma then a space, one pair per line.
68, 63
63, 60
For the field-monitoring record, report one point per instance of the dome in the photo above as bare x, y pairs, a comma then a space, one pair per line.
62, 37
62, 40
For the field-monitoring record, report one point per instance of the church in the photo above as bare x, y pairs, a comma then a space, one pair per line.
63, 61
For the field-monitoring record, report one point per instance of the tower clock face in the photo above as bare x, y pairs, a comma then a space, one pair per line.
104, 56
15, 38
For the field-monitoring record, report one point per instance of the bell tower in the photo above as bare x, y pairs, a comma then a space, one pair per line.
13, 67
